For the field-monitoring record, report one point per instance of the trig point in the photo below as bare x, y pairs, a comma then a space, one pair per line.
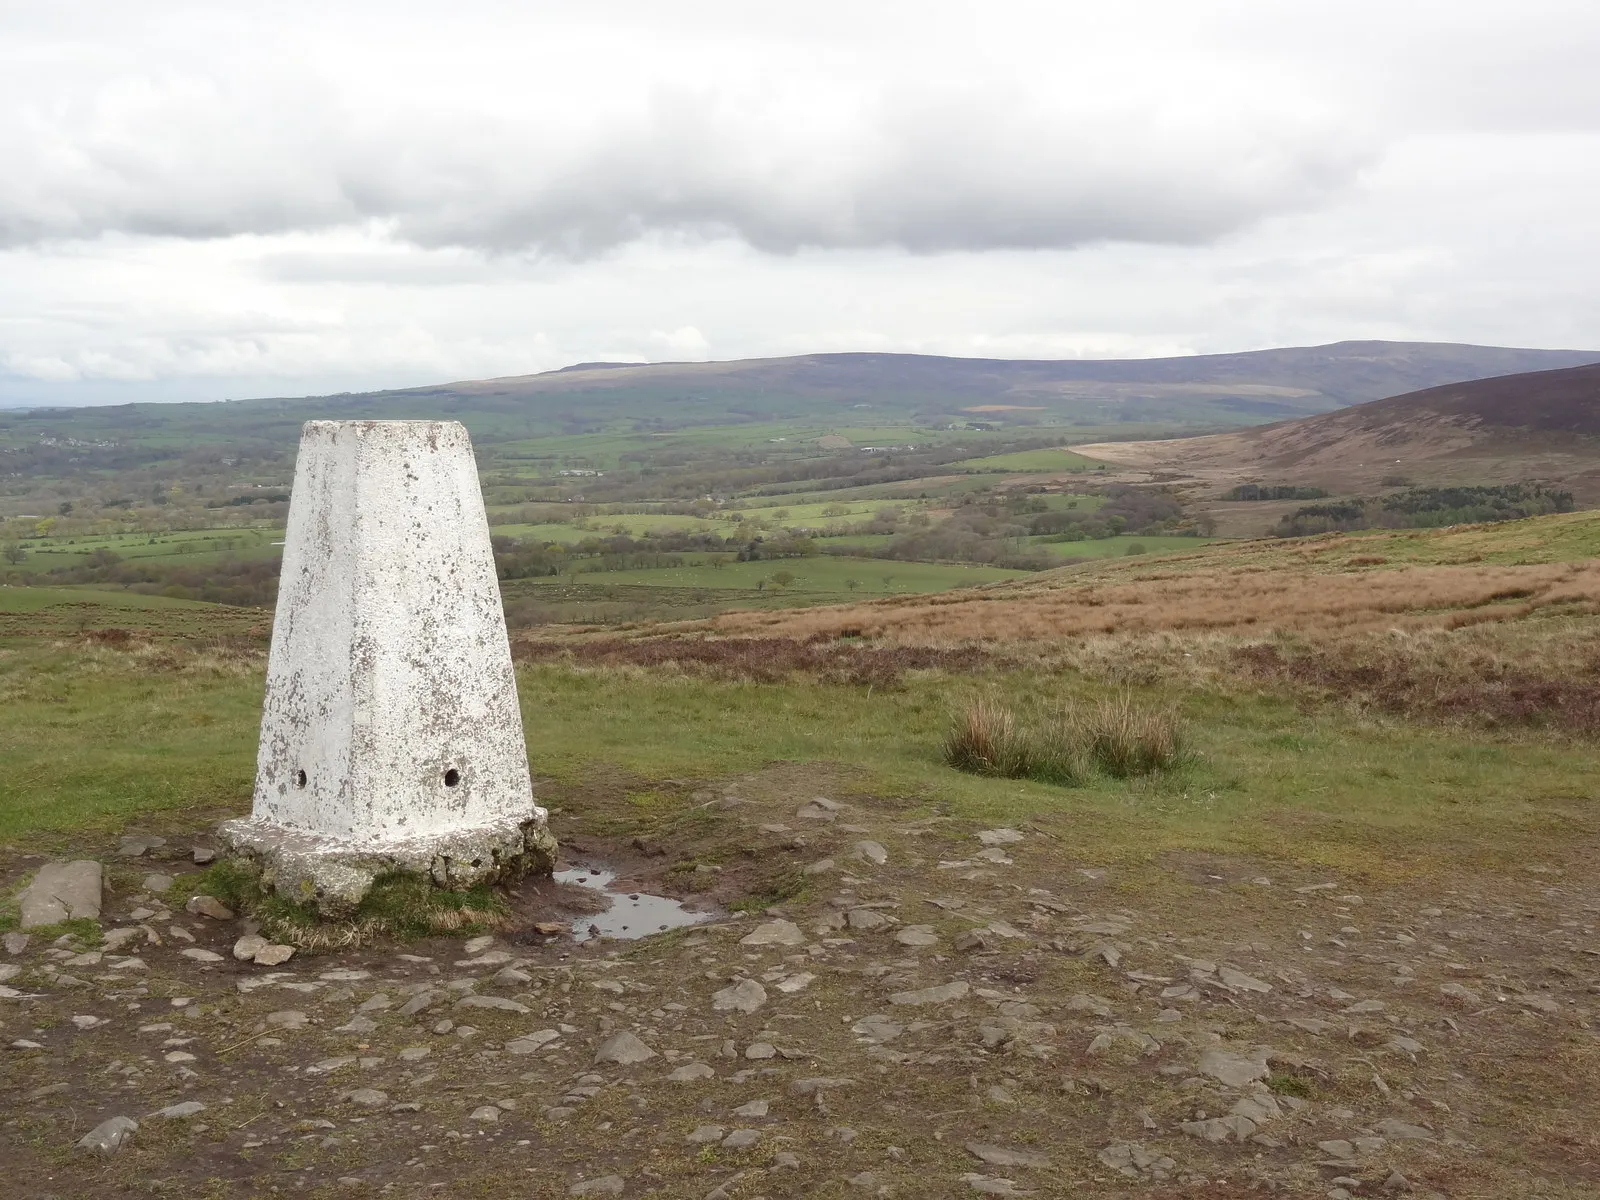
391, 739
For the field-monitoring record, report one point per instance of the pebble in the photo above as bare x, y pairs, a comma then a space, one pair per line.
741, 1139
199, 955
917, 936
487, 1113
691, 1073
367, 1097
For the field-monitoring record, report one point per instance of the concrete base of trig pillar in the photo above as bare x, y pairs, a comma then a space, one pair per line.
391, 739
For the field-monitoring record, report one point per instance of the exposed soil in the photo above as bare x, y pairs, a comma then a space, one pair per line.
954, 1011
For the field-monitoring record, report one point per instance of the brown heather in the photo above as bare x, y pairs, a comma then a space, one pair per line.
759, 659
1236, 600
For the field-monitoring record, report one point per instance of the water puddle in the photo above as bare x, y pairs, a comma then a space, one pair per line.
631, 915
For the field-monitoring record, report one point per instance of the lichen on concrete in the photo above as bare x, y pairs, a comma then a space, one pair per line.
391, 736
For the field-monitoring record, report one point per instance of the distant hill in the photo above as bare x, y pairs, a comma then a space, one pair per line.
1542, 425
1211, 388
1215, 390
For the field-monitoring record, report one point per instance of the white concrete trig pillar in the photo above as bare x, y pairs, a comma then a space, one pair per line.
391, 739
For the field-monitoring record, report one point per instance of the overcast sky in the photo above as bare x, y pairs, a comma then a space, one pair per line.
213, 200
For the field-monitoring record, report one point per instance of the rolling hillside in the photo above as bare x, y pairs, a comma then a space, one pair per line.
1542, 425
1216, 390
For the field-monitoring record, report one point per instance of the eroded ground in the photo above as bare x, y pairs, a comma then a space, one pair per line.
937, 1009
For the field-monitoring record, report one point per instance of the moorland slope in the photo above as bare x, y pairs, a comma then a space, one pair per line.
1542, 425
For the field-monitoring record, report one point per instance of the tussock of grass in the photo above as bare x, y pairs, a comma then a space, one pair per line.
398, 907
1118, 737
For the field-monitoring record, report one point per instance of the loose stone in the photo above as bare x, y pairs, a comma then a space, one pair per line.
59, 892
745, 996
623, 1048
605, 1185
208, 906
108, 1136
774, 933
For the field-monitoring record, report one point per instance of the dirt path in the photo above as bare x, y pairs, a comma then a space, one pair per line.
949, 1011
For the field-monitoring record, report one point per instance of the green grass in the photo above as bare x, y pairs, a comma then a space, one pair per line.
37, 599
96, 738
93, 737
189, 547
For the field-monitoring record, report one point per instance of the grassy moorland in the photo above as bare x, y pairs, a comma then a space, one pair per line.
1354, 909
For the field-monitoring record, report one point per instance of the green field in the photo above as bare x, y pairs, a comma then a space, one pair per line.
32, 600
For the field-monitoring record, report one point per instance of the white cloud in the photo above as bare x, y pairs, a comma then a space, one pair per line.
206, 200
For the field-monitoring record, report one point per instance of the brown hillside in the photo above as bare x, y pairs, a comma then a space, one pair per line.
1536, 425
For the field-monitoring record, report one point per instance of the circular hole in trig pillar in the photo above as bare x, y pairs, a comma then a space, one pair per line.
452, 777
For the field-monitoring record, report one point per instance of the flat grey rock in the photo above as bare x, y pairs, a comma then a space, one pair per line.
1002, 1156
177, 1112
528, 1043
993, 1185
999, 837
497, 1002
247, 947
15, 943
866, 919
774, 933
1236, 1068
870, 851
156, 883
208, 906
691, 1072
745, 996
624, 1049
67, 891
605, 1185
942, 994
108, 1136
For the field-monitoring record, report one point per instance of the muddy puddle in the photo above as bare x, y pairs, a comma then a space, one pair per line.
631, 914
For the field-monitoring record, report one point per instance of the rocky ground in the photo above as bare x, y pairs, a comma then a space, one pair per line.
943, 1010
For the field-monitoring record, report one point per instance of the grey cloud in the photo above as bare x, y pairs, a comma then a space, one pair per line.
925, 173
